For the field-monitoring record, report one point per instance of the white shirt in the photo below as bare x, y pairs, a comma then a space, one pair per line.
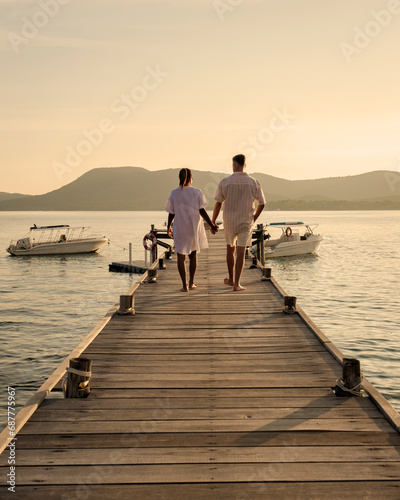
239, 191
189, 233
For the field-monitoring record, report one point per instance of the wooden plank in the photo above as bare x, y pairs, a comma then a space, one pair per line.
178, 343
168, 413
250, 490
290, 357
329, 401
204, 455
175, 426
298, 392
206, 439
177, 367
209, 350
197, 473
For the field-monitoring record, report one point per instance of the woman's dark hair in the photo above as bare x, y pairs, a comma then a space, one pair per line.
239, 159
185, 176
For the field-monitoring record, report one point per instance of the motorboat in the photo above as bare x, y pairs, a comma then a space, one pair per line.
56, 240
291, 241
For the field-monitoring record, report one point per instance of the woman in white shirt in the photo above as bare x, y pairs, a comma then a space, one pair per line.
186, 207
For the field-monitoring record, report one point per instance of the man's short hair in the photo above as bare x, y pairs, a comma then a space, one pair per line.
239, 159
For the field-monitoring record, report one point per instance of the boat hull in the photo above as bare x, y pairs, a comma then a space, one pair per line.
288, 249
87, 245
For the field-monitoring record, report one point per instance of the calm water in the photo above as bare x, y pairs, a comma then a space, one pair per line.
48, 304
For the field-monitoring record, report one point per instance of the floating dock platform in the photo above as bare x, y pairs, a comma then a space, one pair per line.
206, 395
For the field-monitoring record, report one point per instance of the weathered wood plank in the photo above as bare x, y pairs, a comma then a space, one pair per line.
288, 472
251, 490
168, 413
204, 455
175, 426
206, 439
298, 392
329, 401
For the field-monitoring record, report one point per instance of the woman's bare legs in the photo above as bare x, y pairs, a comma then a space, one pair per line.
192, 269
182, 271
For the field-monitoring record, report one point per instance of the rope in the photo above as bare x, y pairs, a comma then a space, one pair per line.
82, 385
338, 244
116, 244
78, 372
354, 390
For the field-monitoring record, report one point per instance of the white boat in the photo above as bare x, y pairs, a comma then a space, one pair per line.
56, 240
291, 242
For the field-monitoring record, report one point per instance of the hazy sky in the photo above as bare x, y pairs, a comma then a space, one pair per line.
305, 88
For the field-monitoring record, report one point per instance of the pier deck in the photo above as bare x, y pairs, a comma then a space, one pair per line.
209, 394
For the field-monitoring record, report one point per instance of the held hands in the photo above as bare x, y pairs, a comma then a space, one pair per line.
214, 228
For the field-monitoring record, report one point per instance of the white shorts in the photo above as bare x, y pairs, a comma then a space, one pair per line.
242, 239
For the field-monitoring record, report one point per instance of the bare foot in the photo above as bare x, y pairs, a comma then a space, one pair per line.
228, 282
192, 286
184, 289
239, 288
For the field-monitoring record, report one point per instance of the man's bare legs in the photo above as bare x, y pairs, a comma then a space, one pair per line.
182, 271
192, 269
230, 261
240, 253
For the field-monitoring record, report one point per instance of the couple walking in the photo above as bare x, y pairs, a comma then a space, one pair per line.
186, 207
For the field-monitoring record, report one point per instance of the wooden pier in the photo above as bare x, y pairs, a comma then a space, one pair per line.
206, 395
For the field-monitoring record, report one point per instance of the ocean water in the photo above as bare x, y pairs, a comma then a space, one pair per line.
49, 304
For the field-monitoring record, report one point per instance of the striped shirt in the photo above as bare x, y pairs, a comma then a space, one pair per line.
239, 191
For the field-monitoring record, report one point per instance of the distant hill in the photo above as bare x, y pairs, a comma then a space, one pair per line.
134, 188
11, 196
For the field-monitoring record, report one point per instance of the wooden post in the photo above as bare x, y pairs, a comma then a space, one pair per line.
260, 244
350, 383
161, 264
266, 274
253, 263
130, 254
289, 304
154, 252
152, 275
76, 384
126, 305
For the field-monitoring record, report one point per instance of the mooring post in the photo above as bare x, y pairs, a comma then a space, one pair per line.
161, 264
76, 383
289, 304
152, 275
351, 382
126, 305
266, 274
253, 263
260, 244
154, 252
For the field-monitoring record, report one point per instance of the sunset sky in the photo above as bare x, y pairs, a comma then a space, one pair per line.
305, 88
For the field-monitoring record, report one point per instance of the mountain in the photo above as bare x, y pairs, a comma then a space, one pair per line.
11, 196
134, 188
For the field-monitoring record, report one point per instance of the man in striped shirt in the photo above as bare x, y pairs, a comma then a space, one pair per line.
238, 192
